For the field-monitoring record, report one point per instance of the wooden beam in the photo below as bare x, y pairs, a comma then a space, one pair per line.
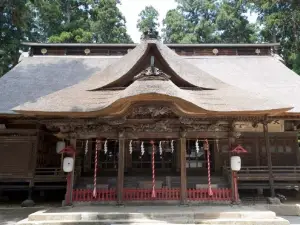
120, 183
183, 179
269, 158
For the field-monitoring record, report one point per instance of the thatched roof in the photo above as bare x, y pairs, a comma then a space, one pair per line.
63, 84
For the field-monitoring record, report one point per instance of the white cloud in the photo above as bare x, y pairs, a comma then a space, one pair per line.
132, 8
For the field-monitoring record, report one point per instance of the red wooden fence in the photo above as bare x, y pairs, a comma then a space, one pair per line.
86, 195
103, 195
220, 194
145, 194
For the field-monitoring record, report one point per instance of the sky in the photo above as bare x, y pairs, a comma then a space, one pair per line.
132, 8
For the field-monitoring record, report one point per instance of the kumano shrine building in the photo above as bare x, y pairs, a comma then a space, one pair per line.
149, 121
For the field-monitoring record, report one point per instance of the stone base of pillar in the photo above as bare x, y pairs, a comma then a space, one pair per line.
260, 191
273, 201
28, 203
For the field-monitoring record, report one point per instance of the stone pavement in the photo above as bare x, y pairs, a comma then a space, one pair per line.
106, 215
11, 215
294, 220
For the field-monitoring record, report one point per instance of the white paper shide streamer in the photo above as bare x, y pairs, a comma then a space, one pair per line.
142, 148
160, 148
130, 147
86, 147
172, 146
197, 146
105, 147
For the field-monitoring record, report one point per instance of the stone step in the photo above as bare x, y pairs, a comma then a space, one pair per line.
276, 221
170, 216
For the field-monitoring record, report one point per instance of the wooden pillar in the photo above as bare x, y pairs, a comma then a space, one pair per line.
120, 183
296, 147
269, 158
29, 201
72, 176
183, 179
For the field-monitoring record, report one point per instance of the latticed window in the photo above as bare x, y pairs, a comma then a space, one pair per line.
196, 157
142, 154
107, 154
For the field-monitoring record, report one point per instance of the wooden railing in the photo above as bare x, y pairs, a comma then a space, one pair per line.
253, 177
164, 194
49, 174
280, 173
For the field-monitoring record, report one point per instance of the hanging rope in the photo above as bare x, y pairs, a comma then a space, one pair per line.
206, 147
98, 143
86, 147
153, 170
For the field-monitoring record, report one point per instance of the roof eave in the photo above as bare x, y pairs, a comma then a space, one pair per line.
33, 44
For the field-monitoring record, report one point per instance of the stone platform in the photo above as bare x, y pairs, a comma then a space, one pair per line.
142, 215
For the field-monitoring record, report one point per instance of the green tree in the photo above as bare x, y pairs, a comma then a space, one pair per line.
108, 23
198, 18
280, 22
63, 20
15, 26
232, 23
148, 19
176, 29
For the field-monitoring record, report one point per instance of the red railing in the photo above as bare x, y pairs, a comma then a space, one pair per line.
220, 194
105, 195
86, 195
146, 194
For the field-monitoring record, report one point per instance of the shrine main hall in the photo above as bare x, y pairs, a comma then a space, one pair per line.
149, 121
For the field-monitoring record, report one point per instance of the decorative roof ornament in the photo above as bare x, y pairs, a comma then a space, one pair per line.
152, 73
150, 34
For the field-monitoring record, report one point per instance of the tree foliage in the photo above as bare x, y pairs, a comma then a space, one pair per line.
280, 21
15, 26
148, 19
208, 21
108, 23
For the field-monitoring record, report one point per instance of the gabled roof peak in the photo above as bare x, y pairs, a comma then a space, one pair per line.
124, 70
152, 73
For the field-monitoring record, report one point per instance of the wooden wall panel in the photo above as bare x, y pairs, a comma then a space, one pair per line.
16, 156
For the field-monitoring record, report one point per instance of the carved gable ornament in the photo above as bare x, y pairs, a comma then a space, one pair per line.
152, 73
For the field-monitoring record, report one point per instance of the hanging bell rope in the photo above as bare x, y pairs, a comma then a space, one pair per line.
130, 147
105, 147
98, 144
86, 147
153, 170
172, 146
206, 147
